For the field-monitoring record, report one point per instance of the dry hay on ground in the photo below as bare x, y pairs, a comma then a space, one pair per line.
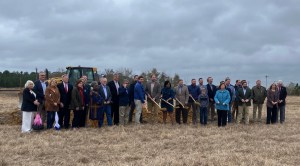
256, 144
9, 112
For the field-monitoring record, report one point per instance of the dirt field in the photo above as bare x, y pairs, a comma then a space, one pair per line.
256, 144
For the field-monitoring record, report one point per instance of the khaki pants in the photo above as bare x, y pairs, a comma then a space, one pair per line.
124, 115
196, 113
153, 109
138, 111
243, 112
211, 111
255, 107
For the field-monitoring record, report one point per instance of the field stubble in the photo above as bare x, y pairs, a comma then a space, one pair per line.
256, 144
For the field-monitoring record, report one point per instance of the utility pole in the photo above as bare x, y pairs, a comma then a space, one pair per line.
266, 80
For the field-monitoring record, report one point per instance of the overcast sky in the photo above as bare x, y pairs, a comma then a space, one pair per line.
241, 39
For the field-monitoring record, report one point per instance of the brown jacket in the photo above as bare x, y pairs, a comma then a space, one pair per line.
156, 91
272, 96
52, 96
183, 97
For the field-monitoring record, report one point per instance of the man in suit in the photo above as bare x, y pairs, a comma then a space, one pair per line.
244, 95
181, 94
114, 87
105, 93
281, 104
86, 92
65, 90
40, 89
211, 92
153, 90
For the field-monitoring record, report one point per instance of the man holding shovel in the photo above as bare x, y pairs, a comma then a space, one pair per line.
153, 90
194, 92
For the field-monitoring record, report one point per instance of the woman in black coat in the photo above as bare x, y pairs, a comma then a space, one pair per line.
29, 106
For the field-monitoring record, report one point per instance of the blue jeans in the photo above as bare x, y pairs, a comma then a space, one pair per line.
281, 110
203, 115
50, 119
107, 110
229, 113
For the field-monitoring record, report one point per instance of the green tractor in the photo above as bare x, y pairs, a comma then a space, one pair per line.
74, 74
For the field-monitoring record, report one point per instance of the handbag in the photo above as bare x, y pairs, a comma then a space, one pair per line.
37, 123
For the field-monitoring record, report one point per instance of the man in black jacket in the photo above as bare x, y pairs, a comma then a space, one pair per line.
40, 89
65, 90
211, 92
281, 104
114, 87
105, 93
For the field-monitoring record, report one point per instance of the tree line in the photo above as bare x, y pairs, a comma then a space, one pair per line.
16, 79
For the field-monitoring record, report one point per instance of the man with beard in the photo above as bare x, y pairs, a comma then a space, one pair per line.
194, 92
244, 97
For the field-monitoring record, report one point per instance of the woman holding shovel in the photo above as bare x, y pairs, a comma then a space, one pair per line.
167, 96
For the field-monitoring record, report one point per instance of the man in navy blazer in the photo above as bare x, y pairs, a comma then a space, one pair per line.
40, 89
105, 93
114, 86
211, 92
281, 104
65, 90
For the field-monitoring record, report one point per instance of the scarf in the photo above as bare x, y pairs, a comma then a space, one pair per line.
81, 95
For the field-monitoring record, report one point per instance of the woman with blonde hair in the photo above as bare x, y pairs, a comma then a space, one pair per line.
52, 104
29, 106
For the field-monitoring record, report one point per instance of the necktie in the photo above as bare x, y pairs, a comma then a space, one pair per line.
66, 88
117, 86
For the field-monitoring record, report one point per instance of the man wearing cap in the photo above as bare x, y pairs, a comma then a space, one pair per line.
259, 94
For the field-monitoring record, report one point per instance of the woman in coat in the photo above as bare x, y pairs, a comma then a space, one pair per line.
222, 99
167, 94
52, 104
29, 106
272, 104
77, 103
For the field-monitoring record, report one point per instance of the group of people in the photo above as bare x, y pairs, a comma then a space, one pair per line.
120, 102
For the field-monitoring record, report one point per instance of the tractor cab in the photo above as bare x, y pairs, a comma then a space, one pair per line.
75, 73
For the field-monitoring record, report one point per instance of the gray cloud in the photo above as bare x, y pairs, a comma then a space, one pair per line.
240, 39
